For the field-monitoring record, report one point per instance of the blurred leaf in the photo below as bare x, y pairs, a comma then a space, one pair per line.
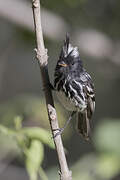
7, 132
42, 174
107, 137
96, 167
34, 157
8, 146
39, 134
29, 106
108, 166
8, 143
29, 142
18, 122
16, 136
85, 168
33, 109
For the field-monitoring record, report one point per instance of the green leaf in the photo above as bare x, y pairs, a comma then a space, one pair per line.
18, 122
40, 134
85, 168
107, 136
108, 166
42, 174
32, 108
34, 157
8, 142
7, 132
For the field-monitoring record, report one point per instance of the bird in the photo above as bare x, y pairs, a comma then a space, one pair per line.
74, 87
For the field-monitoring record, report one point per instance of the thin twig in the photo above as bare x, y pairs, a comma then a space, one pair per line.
41, 55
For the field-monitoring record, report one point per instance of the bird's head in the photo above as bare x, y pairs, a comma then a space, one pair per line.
69, 59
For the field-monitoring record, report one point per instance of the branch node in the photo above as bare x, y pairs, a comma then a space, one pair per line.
35, 3
40, 56
52, 112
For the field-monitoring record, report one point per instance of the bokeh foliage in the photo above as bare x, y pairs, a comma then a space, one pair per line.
27, 142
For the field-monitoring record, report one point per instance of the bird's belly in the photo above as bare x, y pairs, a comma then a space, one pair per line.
65, 101
70, 104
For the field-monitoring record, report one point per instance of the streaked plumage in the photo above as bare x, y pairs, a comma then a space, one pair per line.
74, 86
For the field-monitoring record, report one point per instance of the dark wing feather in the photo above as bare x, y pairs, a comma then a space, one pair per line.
83, 125
84, 118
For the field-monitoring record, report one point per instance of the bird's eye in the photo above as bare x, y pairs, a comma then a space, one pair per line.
72, 63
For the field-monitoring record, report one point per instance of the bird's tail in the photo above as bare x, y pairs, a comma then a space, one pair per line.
83, 125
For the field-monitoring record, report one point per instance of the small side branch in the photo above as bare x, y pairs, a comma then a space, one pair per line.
42, 57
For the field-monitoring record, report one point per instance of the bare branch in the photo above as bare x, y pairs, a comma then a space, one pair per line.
41, 55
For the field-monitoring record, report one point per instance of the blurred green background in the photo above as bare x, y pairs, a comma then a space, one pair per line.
26, 148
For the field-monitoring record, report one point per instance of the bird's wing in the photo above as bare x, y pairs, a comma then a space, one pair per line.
90, 95
86, 89
85, 86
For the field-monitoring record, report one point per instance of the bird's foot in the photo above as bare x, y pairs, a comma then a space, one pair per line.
60, 130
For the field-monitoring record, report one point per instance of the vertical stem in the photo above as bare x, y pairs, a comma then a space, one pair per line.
41, 55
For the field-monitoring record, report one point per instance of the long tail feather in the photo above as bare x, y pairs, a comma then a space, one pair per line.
83, 125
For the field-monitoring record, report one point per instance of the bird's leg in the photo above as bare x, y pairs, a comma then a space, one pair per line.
60, 130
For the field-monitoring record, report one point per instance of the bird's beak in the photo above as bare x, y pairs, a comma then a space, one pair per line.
62, 64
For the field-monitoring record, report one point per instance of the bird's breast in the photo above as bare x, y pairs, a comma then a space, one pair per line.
65, 101
70, 104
